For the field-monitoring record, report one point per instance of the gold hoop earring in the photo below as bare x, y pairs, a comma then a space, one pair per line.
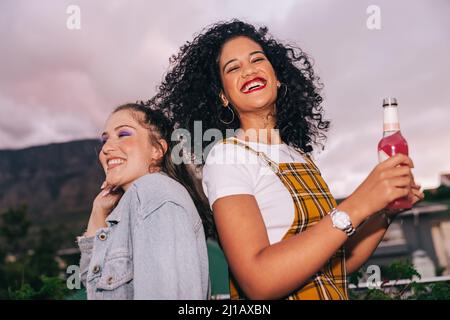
232, 116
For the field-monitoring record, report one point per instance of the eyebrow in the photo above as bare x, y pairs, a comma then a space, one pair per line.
232, 60
117, 128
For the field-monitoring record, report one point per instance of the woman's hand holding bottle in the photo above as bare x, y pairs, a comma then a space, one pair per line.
388, 181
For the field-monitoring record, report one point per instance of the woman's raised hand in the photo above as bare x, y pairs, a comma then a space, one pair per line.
414, 196
388, 181
103, 205
107, 199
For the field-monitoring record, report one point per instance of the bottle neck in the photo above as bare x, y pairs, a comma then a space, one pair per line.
389, 133
391, 124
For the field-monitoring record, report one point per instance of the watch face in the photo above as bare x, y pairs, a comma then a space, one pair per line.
341, 220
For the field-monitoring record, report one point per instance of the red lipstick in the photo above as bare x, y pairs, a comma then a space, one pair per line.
258, 86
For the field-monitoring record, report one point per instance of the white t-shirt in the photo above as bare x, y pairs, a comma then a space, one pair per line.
231, 169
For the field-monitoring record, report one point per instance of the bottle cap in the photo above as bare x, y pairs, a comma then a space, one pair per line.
389, 102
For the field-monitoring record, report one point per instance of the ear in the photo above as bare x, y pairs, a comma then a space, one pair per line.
164, 145
224, 99
161, 147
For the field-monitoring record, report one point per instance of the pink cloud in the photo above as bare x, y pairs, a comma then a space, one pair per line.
58, 85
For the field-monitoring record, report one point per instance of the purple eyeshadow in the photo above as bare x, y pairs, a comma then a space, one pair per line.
124, 134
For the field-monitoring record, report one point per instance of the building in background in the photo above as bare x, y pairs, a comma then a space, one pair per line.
421, 234
445, 179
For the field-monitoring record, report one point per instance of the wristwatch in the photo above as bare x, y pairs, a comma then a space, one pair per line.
341, 221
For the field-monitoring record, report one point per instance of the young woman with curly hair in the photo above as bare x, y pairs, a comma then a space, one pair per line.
282, 232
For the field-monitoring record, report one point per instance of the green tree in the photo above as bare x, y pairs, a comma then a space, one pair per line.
14, 227
51, 288
28, 269
401, 270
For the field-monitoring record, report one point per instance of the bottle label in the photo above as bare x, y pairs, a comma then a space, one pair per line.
391, 127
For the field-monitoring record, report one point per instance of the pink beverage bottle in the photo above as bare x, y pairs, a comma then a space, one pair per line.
392, 143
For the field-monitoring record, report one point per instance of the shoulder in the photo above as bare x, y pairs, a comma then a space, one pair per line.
154, 182
229, 169
156, 189
228, 162
228, 152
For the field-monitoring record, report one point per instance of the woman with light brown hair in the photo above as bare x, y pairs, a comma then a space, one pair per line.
145, 237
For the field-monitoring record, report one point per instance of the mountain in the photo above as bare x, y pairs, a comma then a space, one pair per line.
57, 182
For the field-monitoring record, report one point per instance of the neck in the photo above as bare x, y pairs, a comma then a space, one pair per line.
150, 170
259, 127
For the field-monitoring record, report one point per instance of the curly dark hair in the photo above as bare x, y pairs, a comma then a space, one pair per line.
190, 90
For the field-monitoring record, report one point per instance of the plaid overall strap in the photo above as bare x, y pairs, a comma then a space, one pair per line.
312, 201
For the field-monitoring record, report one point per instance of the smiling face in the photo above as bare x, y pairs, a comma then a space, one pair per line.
127, 153
248, 78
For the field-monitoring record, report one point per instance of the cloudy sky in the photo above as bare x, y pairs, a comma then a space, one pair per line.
58, 84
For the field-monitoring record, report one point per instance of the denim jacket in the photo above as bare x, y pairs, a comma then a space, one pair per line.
153, 247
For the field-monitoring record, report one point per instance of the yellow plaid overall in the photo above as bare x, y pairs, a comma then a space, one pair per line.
312, 201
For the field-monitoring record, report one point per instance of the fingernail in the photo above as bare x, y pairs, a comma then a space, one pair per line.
105, 193
103, 185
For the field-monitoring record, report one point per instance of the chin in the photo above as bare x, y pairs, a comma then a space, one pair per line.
259, 104
113, 181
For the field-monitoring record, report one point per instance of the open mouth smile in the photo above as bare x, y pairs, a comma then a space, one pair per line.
114, 162
253, 85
